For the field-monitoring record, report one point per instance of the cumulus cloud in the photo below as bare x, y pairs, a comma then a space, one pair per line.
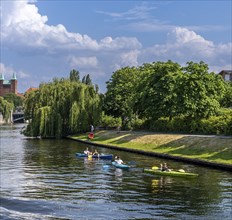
83, 62
184, 45
22, 25
51, 49
8, 71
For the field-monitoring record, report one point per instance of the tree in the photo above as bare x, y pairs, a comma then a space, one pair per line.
120, 92
199, 92
226, 100
74, 75
17, 101
87, 80
156, 92
60, 108
5, 108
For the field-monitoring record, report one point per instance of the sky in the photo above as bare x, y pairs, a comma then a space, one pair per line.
42, 40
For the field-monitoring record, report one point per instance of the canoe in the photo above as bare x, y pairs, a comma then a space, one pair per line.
101, 156
170, 173
121, 166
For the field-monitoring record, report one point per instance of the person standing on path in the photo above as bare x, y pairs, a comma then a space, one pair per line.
91, 128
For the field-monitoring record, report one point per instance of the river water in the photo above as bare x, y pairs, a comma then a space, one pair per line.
43, 179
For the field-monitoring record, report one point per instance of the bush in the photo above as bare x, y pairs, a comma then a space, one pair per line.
137, 124
110, 121
219, 125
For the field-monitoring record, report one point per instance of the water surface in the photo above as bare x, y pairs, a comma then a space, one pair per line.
43, 179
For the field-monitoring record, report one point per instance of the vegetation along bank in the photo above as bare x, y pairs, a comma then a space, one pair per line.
206, 150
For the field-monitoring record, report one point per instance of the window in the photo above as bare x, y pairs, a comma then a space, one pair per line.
227, 77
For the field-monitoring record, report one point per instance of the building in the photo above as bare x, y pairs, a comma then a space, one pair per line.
226, 75
8, 86
31, 89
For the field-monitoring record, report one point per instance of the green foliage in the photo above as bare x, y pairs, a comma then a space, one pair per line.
160, 124
156, 90
74, 75
120, 93
87, 80
137, 123
5, 108
226, 100
164, 96
220, 125
110, 121
14, 99
198, 92
217, 125
61, 108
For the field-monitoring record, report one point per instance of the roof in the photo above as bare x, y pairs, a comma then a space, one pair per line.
6, 82
31, 89
226, 72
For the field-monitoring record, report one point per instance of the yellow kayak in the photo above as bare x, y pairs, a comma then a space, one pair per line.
170, 173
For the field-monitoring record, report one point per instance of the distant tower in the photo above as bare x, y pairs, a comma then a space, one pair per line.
1, 84
8, 86
14, 84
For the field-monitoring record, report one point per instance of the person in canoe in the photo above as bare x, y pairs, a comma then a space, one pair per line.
166, 167
96, 153
118, 160
86, 151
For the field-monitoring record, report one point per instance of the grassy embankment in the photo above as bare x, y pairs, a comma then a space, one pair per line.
207, 148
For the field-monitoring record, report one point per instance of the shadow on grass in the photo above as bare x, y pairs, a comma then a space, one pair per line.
200, 147
225, 154
209, 148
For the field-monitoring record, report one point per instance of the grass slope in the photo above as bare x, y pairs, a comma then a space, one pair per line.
208, 148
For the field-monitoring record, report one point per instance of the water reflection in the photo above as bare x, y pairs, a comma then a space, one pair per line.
160, 184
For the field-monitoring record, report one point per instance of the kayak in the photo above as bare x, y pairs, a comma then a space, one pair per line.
91, 136
100, 156
121, 166
170, 173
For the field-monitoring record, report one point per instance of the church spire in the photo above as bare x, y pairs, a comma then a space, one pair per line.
1, 76
14, 76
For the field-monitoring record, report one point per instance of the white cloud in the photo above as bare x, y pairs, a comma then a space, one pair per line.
83, 62
129, 58
184, 45
22, 26
8, 71
140, 12
119, 43
24, 30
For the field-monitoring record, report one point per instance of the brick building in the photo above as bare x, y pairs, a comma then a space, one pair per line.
226, 75
8, 86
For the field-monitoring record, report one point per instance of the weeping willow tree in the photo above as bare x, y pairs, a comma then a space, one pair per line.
5, 109
60, 108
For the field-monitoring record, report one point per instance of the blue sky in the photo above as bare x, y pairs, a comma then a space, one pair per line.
41, 40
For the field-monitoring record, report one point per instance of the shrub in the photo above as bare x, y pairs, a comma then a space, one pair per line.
110, 121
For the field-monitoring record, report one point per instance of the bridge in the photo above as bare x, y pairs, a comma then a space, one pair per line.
18, 117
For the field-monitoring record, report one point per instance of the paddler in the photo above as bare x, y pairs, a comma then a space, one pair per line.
87, 151
96, 153
165, 167
118, 160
